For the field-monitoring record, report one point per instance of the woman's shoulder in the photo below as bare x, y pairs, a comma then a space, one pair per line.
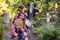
16, 15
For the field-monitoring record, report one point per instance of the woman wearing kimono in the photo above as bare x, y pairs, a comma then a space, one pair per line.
21, 31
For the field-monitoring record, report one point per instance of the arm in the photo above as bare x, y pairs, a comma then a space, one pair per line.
12, 29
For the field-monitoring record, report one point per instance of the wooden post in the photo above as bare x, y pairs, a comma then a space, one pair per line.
31, 10
6, 18
48, 17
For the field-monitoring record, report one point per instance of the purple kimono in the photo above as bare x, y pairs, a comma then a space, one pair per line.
20, 33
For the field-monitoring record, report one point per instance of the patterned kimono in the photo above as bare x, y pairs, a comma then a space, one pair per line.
21, 33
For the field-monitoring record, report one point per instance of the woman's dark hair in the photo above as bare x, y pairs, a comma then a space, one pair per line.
21, 7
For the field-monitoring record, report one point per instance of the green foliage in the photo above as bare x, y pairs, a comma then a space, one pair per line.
47, 34
46, 25
0, 1
51, 35
1, 29
38, 30
41, 30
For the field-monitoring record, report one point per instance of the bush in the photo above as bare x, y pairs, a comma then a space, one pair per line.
47, 34
51, 35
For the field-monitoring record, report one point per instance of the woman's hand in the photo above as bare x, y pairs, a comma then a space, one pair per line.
29, 31
25, 34
16, 34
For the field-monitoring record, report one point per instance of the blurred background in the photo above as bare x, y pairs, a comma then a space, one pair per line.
44, 16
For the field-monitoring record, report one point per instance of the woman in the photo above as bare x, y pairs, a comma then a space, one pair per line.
20, 32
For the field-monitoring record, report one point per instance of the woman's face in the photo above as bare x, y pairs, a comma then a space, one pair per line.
21, 10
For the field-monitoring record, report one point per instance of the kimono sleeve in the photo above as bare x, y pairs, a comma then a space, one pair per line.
28, 24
